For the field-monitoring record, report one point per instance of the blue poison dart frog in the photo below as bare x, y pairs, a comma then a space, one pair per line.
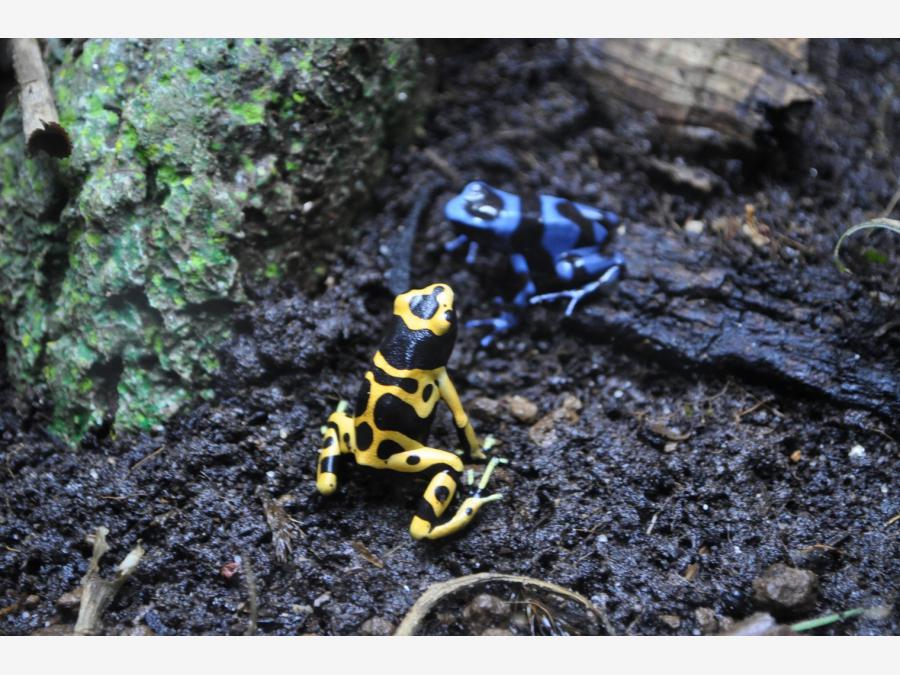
389, 425
553, 245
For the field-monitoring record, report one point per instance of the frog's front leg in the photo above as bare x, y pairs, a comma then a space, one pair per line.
467, 436
507, 320
584, 265
337, 435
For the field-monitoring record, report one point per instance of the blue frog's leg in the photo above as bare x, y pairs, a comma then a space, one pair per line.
472, 252
582, 265
456, 243
508, 320
501, 324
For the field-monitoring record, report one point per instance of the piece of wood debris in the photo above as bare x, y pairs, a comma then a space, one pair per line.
283, 529
367, 555
691, 572
252, 595
97, 593
720, 91
40, 120
694, 177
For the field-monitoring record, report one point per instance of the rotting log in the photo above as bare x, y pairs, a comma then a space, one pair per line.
723, 91
680, 307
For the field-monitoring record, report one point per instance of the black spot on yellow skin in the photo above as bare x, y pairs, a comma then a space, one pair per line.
412, 460
425, 306
329, 441
426, 392
441, 493
426, 511
363, 436
346, 439
387, 447
408, 384
394, 414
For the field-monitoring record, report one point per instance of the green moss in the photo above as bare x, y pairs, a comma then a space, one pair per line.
172, 141
248, 112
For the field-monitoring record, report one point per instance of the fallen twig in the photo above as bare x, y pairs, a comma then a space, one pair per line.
891, 204
367, 555
97, 593
40, 121
143, 460
281, 525
437, 592
252, 596
738, 416
443, 166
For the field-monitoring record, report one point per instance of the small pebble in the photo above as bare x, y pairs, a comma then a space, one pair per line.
484, 408
857, 451
70, 600
694, 227
671, 620
497, 632
322, 599
521, 408
484, 611
706, 620
786, 590
376, 626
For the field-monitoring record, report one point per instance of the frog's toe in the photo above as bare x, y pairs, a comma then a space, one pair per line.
500, 324
455, 243
546, 297
485, 477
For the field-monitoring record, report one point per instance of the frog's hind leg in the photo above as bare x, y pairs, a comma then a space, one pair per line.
336, 434
578, 265
437, 497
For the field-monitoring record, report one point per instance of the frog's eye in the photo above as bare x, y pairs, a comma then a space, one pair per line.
449, 316
485, 211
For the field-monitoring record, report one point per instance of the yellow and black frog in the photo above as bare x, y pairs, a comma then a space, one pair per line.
395, 407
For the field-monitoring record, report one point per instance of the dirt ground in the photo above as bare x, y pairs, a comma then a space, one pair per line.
654, 486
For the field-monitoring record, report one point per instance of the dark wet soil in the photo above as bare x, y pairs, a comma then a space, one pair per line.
655, 487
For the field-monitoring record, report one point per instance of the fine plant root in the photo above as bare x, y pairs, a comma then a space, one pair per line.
437, 592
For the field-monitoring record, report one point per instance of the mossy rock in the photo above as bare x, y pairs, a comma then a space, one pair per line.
197, 165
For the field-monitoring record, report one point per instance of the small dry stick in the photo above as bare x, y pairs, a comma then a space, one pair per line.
97, 593
443, 166
283, 529
252, 596
40, 121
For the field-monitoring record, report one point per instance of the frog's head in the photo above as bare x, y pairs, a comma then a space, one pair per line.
482, 212
429, 308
